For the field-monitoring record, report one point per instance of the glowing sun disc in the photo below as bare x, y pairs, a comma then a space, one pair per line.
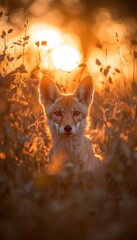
65, 57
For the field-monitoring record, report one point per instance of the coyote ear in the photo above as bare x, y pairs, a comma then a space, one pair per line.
84, 91
48, 91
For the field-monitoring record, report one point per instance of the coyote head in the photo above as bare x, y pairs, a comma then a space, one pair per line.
66, 113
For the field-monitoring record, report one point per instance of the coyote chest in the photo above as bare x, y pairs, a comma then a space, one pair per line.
66, 117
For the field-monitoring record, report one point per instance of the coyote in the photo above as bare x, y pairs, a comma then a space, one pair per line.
66, 117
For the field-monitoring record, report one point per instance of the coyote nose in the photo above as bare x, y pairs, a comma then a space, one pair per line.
68, 128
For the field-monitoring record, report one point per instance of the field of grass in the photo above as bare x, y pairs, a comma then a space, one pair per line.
69, 205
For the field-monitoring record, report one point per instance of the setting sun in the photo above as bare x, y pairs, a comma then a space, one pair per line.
63, 53
43, 32
65, 57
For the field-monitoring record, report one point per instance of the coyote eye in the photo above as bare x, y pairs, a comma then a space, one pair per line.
58, 113
76, 113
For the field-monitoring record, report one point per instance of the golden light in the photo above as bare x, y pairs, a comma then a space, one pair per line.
43, 32
63, 47
65, 57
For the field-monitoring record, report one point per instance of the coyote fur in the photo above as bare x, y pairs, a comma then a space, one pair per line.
66, 116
